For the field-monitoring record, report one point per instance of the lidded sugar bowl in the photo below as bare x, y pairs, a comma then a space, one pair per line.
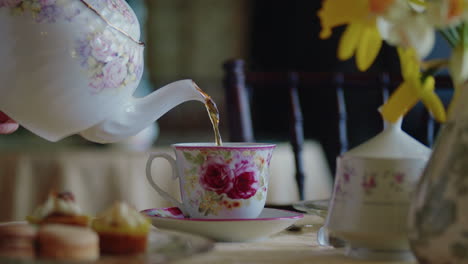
372, 192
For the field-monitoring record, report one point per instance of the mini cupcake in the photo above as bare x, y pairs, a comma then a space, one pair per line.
17, 240
59, 208
65, 242
122, 230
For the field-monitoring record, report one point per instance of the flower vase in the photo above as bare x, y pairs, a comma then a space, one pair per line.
438, 217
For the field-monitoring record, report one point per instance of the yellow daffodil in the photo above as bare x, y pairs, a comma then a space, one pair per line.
443, 13
410, 32
412, 90
361, 37
455, 9
458, 66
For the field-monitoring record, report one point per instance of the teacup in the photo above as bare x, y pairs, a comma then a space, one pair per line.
228, 181
370, 203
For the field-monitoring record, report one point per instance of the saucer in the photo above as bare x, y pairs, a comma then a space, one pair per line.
269, 222
314, 207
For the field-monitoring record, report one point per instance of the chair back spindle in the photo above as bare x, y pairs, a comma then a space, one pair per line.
296, 131
338, 80
237, 101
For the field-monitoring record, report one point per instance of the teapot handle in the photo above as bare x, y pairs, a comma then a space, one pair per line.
175, 175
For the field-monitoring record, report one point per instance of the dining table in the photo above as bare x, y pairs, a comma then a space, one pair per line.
298, 246
99, 176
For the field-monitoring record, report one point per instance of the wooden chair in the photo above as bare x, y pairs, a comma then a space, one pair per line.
239, 114
330, 101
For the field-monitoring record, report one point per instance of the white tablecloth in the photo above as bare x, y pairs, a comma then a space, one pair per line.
98, 177
283, 248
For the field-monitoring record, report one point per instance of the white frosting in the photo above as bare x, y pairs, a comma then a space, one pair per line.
391, 143
56, 205
120, 214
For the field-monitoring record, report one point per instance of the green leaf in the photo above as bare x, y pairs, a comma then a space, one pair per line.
259, 195
188, 156
218, 197
227, 155
193, 170
262, 181
199, 159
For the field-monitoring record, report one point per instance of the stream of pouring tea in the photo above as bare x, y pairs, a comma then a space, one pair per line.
213, 113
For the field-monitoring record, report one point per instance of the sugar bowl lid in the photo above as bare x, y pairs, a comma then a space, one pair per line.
392, 142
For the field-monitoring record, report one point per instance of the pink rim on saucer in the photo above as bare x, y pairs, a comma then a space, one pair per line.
270, 222
176, 214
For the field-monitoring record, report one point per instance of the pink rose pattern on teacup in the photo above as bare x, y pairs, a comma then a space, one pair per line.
216, 175
228, 180
246, 180
238, 183
109, 63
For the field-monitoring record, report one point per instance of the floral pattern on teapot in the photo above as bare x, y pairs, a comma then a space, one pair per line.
103, 56
122, 8
109, 64
51, 10
47, 11
226, 180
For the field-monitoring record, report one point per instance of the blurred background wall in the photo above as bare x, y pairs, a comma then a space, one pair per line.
190, 39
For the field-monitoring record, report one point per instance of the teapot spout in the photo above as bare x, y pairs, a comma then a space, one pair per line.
138, 113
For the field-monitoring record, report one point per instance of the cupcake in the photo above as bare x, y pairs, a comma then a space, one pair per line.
17, 240
65, 242
59, 208
122, 230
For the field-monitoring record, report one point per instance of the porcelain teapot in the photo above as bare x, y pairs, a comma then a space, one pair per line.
71, 66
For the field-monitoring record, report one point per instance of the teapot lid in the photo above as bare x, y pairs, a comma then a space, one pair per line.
117, 14
392, 142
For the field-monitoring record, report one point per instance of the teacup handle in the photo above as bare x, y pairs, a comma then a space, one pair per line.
175, 175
